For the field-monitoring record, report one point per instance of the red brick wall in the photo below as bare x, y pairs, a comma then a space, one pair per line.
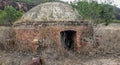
25, 37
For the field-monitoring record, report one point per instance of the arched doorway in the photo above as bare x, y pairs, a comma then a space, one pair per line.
68, 39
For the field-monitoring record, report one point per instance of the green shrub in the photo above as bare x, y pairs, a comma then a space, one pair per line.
35, 1
9, 15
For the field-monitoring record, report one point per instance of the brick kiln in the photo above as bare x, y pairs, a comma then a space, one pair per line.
52, 23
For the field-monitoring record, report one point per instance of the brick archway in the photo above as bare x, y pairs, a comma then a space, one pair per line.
68, 39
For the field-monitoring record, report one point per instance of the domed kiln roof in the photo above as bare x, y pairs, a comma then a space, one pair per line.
51, 11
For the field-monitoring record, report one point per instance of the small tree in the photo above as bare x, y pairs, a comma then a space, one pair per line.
107, 13
99, 13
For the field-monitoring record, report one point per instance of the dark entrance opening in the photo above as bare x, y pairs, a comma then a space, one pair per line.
68, 39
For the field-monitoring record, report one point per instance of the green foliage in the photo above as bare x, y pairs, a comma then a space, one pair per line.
35, 1
116, 21
99, 13
9, 15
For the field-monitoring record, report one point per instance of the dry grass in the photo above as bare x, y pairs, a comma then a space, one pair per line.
108, 39
53, 54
